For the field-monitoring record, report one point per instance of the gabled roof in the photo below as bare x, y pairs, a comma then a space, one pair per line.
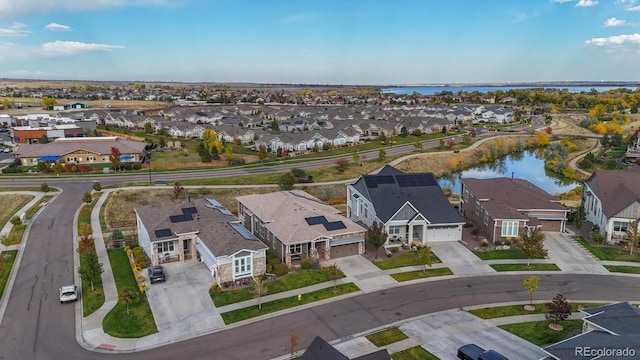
390, 189
619, 318
220, 230
319, 349
616, 189
503, 197
95, 145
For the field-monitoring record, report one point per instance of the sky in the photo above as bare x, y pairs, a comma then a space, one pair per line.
350, 42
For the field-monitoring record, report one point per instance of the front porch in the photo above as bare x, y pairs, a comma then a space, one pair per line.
316, 251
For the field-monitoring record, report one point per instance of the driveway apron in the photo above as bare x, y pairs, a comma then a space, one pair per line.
569, 256
459, 259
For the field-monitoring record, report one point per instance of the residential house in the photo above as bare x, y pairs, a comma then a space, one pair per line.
410, 206
298, 226
633, 150
609, 332
503, 208
200, 230
35, 134
320, 349
611, 200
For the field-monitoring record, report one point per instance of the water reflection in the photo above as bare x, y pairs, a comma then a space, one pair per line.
527, 165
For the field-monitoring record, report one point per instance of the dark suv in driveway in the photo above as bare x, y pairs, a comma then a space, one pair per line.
156, 273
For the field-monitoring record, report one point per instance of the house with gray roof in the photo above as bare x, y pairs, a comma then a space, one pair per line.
410, 206
298, 226
320, 349
609, 332
503, 207
200, 230
611, 200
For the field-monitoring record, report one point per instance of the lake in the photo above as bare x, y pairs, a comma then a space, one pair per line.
431, 90
524, 165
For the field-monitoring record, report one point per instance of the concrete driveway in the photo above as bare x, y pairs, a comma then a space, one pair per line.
444, 332
459, 259
185, 294
569, 256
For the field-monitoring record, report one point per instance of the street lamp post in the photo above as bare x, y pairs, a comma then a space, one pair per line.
149, 169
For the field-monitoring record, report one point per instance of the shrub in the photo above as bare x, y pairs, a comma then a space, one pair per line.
15, 221
484, 243
139, 257
507, 241
87, 197
394, 250
280, 269
306, 264
96, 186
298, 173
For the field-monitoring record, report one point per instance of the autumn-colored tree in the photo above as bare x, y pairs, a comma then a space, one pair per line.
114, 158
531, 285
342, 164
48, 102
377, 236
127, 296
294, 341
85, 244
542, 138
262, 152
531, 243
559, 310
356, 157
424, 255
632, 235
228, 154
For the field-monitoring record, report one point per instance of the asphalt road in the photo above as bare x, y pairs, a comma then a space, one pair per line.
37, 326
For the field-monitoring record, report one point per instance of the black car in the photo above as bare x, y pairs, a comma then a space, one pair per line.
156, 273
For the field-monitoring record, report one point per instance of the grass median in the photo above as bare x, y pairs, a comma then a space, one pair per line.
421, 274
538, 332
34, 209
515, 310
7, 258
409, 258
287, 303
623, 269
500, 254
525, 267
386, 336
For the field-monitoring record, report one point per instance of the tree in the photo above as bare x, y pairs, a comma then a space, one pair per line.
286, 182
335, 275
342, 164
87, 198
86, 244
48, 102
44, 139
543, 138
632, 235
580, 217
377, 236
16, 221
531, 243
177, 189
418, 145
114, 158
260, 290
205, 155
228, 154
116, 234
559, 310
382, 155
356, 157
90, 268
424, 255
44, 187
531, 285
294, 341
128, 296
262, 152
148, 128
96, 186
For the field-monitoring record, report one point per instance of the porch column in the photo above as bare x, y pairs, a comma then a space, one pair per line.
424, 234
410, 234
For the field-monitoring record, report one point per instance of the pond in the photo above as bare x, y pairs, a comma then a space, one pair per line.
523, 165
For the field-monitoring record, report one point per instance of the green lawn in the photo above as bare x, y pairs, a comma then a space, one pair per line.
538, 332
34, 209
524, 267
514, 310
16, 233
409, 258
7, 258
414, 353
386, 336
606, 252
286, 303
139, 322
289, 282
91, 300
500, 254
623, 269
421, 274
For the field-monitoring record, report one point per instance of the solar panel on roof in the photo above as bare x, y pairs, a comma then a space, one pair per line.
334, 225
177, 218
385, 179
163, 233
214, 202
315, 220
243, 231
225, 211
190, 210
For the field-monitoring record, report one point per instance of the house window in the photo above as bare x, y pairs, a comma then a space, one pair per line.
509, 229
486, 218
242, 266
166, 246
366, 211
394, 229
620, 226
477, 207
295, 249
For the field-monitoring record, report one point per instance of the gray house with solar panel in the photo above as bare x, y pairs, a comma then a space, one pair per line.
200, 230
298, 226
412, 207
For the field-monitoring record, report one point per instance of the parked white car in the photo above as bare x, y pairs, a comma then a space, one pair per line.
68, 293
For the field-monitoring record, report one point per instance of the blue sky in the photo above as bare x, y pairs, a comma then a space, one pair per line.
367, 42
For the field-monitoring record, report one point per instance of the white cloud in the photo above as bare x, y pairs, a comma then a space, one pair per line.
586, 3
58, 27
611, 22
633, 8
624, 42
16, 29
10, 8
62, 48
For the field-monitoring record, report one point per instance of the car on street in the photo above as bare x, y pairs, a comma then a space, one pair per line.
156, 273
68, 293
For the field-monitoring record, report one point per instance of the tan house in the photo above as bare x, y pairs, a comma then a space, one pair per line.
200, 230
298, 226
503, 208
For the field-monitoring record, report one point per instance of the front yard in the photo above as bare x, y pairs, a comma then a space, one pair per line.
538, 332
609, 252
407, 258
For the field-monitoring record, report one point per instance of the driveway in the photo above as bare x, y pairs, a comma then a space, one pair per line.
459, 259
184, 296
444, 332
569, 256
363, 273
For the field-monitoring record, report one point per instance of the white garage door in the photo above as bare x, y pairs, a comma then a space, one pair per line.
444, 233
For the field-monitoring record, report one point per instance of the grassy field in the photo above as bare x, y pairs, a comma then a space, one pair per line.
11, 203
139, 321
538, 332
500, 254
7, 258
286, 303
607, 252
421, 274
386, 336
409, 258
414, 353
289, 282
515, 310
524, 267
